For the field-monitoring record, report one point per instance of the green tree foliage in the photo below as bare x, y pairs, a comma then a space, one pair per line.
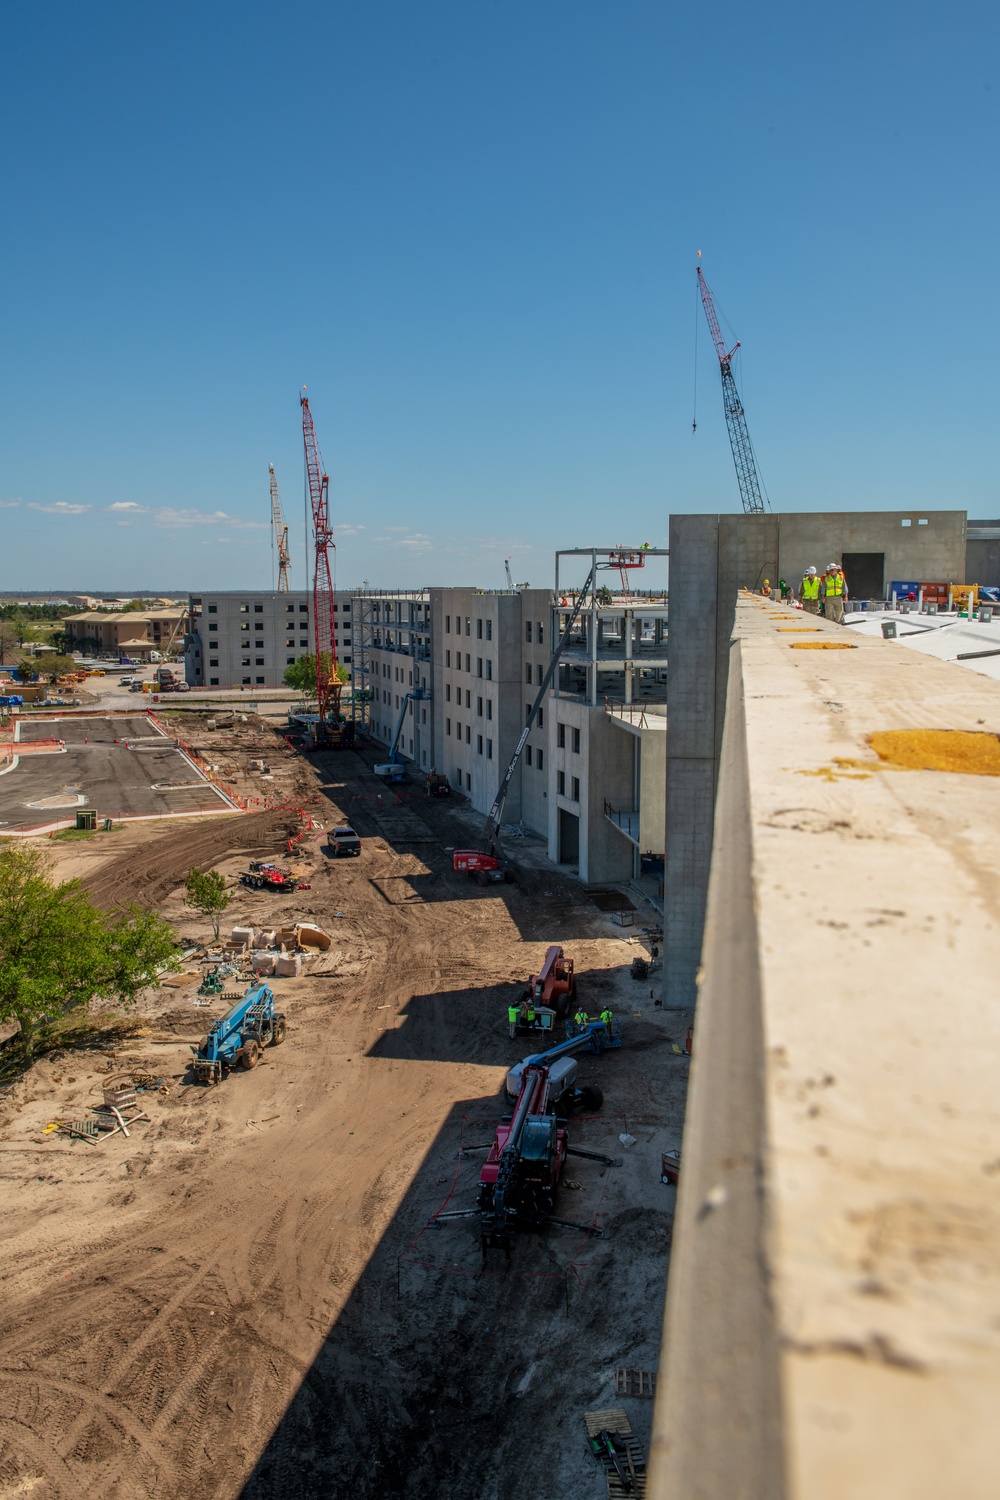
52, 667
206, 892
59, 952
301, 675
134, 605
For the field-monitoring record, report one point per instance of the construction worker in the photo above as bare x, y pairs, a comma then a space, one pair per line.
809, 591
607, 1016
513, 1013
582, 1020
834, 591
766, 588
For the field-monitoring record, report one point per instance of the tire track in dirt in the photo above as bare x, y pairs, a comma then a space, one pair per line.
148, 874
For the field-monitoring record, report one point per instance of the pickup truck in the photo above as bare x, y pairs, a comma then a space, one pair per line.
343, 842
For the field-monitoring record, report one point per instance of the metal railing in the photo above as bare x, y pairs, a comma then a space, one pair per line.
635, 713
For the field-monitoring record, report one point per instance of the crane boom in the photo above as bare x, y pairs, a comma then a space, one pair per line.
280, 533
736, 421
328, 687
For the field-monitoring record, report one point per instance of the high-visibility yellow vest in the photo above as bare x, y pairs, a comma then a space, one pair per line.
834, 584
513, 1011
582, 1018
606, 1016
810, 586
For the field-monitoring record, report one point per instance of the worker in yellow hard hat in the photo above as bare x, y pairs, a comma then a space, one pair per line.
809, 591
834, 591
766, 588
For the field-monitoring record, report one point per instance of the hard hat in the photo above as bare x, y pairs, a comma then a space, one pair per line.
832, 566
810, 570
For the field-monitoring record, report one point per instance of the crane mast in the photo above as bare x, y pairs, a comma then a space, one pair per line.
328, 687
736, 421
280, 533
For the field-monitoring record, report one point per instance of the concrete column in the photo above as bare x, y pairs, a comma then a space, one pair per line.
690, 789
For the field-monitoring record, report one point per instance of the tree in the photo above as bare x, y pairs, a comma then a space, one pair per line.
301, 675
53, 667
59, 952
133, 605
206, 892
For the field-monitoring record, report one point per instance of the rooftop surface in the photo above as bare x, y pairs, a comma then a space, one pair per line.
834, 1300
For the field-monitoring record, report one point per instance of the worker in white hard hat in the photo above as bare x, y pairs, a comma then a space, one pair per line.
833, 588
809, 591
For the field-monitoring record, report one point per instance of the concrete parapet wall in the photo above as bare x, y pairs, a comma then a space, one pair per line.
833, 1311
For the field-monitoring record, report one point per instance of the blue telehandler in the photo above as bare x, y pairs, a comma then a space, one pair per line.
240, 1036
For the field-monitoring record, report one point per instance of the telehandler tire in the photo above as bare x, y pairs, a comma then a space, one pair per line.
251, 1055
279, 1032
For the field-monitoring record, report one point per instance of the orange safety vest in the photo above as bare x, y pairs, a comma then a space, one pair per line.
834, 583
810, 586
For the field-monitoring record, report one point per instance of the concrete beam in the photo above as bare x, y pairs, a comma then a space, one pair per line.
833, 1309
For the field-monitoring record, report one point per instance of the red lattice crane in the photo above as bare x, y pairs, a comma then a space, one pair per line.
328, 686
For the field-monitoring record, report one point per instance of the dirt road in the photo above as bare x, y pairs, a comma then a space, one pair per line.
241, 1299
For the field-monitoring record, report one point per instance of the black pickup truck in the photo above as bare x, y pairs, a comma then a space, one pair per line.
343, 842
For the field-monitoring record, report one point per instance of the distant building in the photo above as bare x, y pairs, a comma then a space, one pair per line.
239, 639
129, 632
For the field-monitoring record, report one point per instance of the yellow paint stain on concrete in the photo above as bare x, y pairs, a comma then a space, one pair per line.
967, 752
797, 629
821, 646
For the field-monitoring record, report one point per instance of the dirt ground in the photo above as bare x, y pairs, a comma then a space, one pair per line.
242, 1298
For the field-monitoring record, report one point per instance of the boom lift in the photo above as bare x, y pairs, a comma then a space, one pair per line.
394, 769
484, 863
736, 421
239, 1036
518, 1180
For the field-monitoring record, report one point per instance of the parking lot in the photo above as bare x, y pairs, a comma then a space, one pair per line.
121, 767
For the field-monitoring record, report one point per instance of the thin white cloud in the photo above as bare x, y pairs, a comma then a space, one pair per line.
9, 504
121, 505
60, 508
168, 515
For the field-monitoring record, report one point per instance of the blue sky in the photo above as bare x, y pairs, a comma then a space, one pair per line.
469, 227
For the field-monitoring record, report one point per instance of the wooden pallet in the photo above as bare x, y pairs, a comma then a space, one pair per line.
616, 1424
635, 1382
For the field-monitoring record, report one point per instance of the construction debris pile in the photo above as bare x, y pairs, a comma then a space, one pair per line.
251, 953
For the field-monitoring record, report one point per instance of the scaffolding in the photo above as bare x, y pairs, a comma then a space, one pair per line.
385, 620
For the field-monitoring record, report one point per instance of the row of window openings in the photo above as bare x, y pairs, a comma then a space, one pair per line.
468, 700
213, 661
468, 627
488, 674
531, 628
468, 738
214, 682
574, 795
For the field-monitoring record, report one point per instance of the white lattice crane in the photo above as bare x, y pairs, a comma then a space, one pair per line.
280, 534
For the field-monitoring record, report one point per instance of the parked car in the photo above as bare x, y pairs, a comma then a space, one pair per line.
343, 842
124, 681
182, 687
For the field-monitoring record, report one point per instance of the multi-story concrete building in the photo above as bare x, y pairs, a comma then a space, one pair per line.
392, 670
480, 686
244, 639
457, 670
606, 730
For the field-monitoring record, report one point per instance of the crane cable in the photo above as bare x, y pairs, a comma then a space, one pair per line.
694, 413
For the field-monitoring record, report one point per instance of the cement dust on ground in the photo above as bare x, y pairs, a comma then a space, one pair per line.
242, 1298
